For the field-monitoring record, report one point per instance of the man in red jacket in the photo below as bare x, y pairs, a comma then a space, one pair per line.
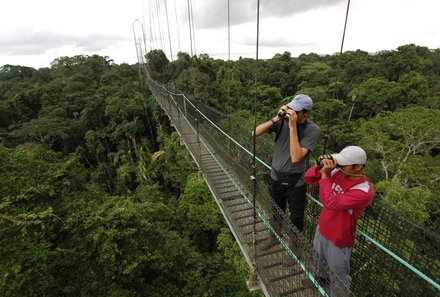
344, 192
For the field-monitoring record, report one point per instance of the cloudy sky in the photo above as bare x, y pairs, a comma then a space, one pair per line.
35, 32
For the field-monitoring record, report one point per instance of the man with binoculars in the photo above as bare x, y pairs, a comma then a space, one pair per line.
344, 192
295, 139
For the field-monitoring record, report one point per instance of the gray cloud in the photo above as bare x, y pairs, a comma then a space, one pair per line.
275, 43
29, 43
213, 13
281, 8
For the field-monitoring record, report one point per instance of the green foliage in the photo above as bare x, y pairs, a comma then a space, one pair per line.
414, 88
195, 83
268, 98
199, 213
173, 167
15, 72
399, 137
34, 182
414, 201
45, 130
375, 95
108, 215
157, 64
315, 74
404, 60
182, 63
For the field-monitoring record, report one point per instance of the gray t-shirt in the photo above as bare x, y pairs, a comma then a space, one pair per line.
281, 161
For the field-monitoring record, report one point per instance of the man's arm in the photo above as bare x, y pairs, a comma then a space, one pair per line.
358, 196
312, 176
297, 153
264, 127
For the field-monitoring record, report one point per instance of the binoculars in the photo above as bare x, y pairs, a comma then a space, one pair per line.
282, 114
319, 163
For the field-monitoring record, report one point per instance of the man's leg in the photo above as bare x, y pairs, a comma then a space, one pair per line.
320, 272
339, 264
320, 246
277, 195
297, 203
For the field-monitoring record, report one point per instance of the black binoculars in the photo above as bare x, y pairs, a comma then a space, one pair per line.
319, 163
282, 114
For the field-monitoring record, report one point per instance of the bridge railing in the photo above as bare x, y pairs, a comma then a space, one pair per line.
393, 256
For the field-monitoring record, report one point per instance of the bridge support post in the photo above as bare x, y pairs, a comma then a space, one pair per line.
199, 149
184, 104
253, 283
178, 117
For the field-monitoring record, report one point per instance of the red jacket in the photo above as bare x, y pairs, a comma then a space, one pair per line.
343, 202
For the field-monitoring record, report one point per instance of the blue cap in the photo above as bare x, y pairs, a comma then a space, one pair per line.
300, 102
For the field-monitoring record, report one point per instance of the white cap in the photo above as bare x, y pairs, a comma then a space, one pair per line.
300, 102
351, 155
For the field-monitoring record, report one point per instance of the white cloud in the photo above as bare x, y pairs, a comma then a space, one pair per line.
34, 33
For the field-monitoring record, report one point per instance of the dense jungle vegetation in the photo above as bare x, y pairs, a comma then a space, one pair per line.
388, 103
98, 197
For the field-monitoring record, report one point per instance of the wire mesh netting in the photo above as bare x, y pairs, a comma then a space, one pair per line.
392, 255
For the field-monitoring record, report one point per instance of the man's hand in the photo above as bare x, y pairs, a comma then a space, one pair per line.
291, 116
328, 165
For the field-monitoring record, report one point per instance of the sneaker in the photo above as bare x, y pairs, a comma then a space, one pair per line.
307, 283
324, 282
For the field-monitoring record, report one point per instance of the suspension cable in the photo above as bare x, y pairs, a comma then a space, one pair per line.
229, 52
190, 32
153, 38
192, 26
177, 26
168, 27
229, 34
327, 133
159, 22
254, 171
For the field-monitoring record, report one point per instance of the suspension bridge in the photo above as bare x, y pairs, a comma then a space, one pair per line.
393, 256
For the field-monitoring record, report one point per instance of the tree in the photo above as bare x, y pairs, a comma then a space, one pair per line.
172, 168
414, 88
315, 74
404, 60
397, 138
45, 130
247, 69
176, 67
199, 214
359, 66
157, 63
375, 95
35, 183
10, 72
195, 83
268, 98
